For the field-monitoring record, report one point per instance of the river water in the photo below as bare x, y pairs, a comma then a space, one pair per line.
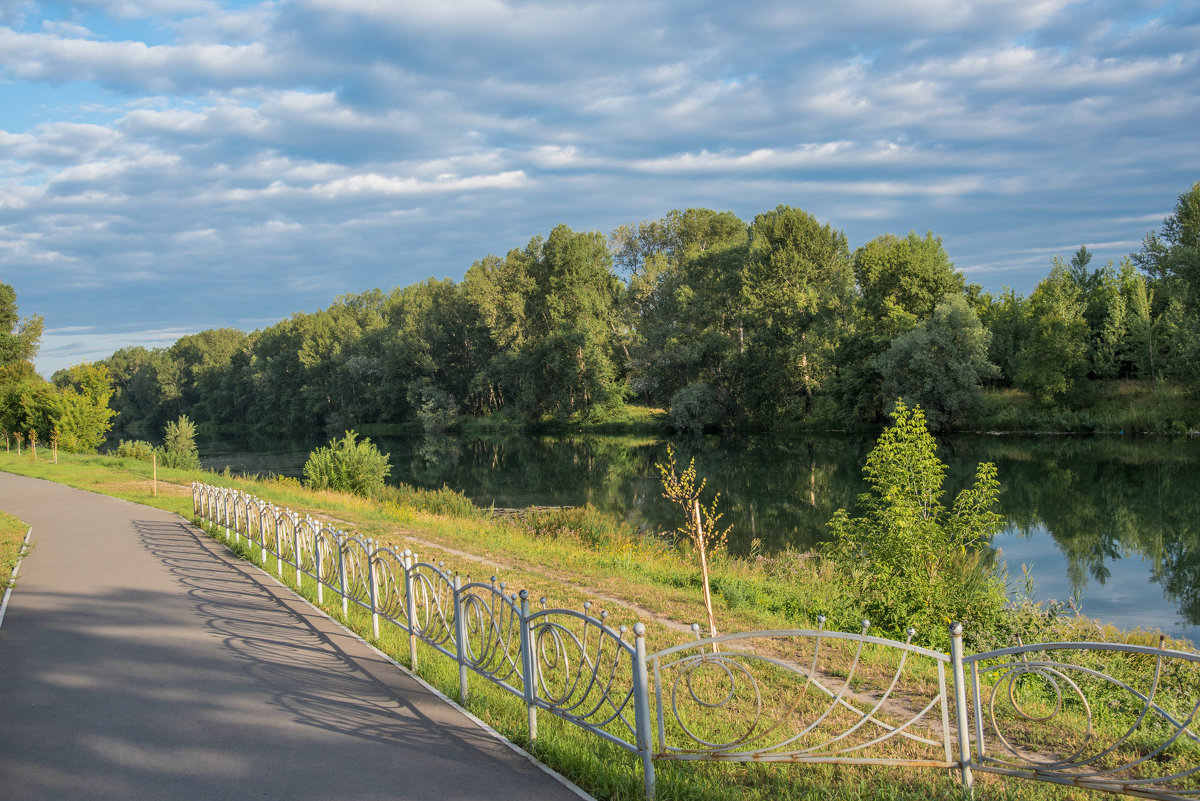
1112, 522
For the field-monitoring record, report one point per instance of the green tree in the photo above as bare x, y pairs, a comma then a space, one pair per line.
909, 556
1055, 356
797, 289
83, 416
1173, 256
179, 445
19, 338
940, 364
901, 282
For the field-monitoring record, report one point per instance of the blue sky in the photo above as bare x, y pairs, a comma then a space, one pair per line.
168, 166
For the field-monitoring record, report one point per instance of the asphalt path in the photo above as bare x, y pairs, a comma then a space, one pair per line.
139, 660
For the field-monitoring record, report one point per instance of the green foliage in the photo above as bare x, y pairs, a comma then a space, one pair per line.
179, 445
135, 449
911, 558
347, 465
1055, 355
695, 408
940, 364
435, 408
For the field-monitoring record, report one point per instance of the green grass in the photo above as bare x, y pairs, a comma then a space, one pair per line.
571, 558
12, 539
1109, 407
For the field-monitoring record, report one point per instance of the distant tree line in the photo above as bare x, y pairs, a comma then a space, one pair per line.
721, 322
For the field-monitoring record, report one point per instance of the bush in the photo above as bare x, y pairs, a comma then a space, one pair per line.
348, 465
435, 408
179, 445
695, 408
135, 449
913, 561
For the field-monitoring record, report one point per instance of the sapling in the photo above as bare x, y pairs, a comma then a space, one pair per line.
701, 527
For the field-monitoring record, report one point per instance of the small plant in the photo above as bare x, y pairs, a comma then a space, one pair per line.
135, 449
702, 522
179, 445
33, 443
348, 465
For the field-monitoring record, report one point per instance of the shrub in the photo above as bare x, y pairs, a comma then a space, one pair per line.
179, 445
695, 408
135, 449
348, 465
912, 560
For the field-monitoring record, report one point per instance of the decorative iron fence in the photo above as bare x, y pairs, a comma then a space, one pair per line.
1103, 716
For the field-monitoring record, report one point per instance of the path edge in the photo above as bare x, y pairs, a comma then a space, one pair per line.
12, 580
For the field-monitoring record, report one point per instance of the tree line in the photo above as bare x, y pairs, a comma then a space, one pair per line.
722, 322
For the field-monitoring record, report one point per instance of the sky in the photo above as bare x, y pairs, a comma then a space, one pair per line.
169, 166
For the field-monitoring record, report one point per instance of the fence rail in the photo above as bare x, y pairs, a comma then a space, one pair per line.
1103, 716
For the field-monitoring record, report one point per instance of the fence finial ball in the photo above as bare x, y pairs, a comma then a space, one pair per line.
524, 595
956, 629
639, 629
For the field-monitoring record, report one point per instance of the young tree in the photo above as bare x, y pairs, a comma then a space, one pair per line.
909, 555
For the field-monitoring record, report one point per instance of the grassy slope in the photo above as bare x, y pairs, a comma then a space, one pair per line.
633, 579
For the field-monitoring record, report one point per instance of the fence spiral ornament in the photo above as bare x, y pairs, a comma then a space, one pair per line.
1090, 714
583, 668
491, 642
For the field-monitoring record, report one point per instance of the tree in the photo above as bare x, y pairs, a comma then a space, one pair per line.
901, 282
1173, 257
19, 338
83, 416
179, 445
1055, 356
910, 556
940, 365
797, 288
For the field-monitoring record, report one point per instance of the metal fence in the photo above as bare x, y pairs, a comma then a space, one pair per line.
1103, 716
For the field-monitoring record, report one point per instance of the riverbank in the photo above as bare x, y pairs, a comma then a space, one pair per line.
602, 559
573, 558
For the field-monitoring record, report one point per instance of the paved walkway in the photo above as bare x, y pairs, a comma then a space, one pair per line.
139, 661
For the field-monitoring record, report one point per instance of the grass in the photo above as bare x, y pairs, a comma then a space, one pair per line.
12, 539
1131, 407
573, 556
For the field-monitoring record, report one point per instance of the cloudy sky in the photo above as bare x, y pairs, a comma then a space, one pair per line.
173, 165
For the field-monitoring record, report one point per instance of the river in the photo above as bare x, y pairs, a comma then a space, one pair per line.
1113, 522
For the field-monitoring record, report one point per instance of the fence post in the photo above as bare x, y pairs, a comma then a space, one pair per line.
374, 581
410, 560
340, 538
528, 666
460, 640
237, 535
278, 541
960, 709
641, 708
225, 512
295, 518
262, 537
316, 530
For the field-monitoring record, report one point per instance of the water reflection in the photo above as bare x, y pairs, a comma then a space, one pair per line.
1121, 514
